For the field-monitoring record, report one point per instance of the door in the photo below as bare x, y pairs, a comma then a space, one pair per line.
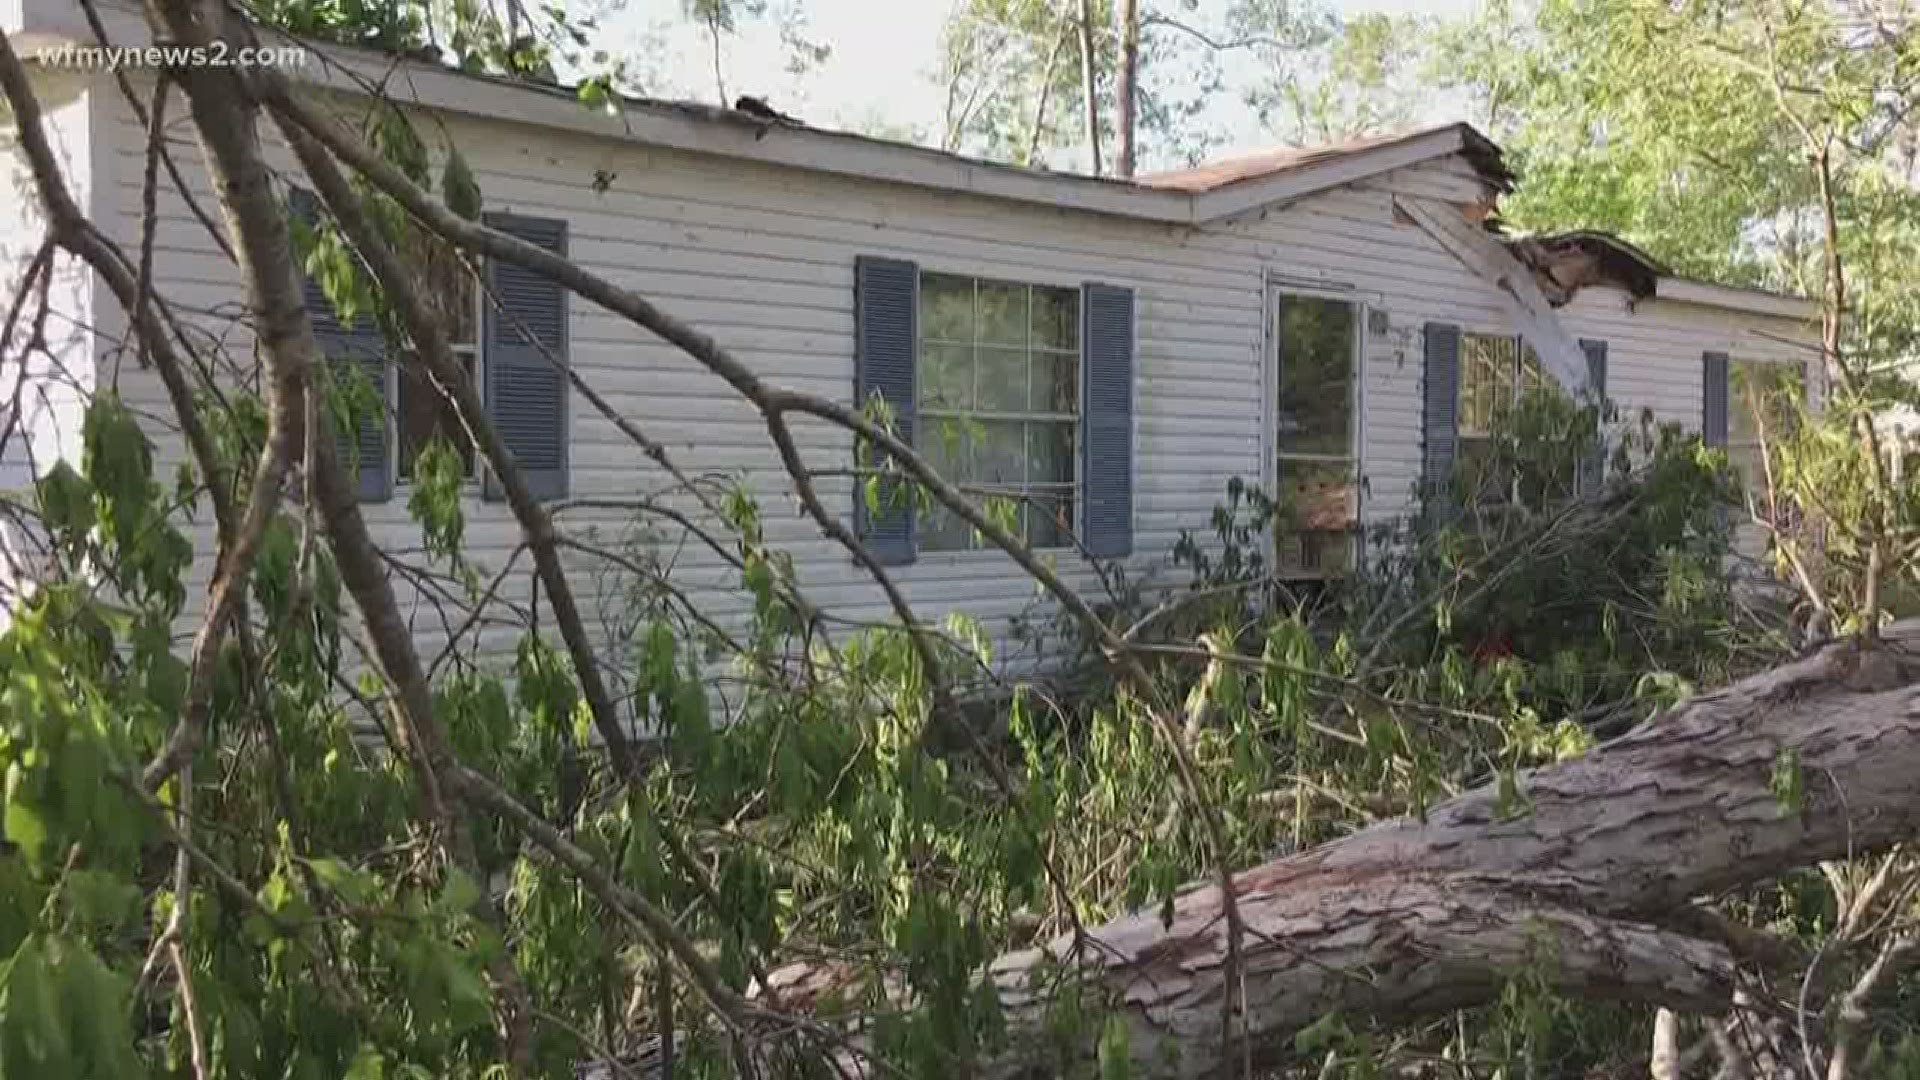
1314, 407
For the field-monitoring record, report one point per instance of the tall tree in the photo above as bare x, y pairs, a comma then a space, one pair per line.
1126, 86
1089, 87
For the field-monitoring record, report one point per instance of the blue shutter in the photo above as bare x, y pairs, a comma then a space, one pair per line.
1106, 420
524, 333
352, 350
1713, 398
1593, 467
1441, 407
886, 302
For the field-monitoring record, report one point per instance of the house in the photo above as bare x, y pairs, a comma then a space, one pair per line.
1334, 320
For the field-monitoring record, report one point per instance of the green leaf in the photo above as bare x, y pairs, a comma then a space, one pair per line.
457, 185
25, 828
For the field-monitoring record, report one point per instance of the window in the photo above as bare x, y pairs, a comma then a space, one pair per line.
521, 365
424, 412
998, 370
1497, 372
1315, 436
1760, 398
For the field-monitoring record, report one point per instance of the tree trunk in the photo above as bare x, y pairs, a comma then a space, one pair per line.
1089, 100
1126, 87
1589, 886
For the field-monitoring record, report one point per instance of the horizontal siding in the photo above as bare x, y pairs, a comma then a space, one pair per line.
49, 387
762, 259
1654, 357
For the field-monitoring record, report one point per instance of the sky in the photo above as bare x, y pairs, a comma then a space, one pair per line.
880, 75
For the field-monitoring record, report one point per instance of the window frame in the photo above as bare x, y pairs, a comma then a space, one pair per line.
1277, 291
925, 417
1520, 385
396, 386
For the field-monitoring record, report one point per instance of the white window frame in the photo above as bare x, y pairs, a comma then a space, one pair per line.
1520, 349
1277, 290
923, 415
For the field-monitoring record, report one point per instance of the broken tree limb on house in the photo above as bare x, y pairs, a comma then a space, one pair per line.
1560, 354
1587, 884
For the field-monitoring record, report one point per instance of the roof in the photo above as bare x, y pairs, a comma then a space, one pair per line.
1190, 197
1565, 262
1260, 164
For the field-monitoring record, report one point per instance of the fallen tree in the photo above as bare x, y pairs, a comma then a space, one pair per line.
1585, 875
1589, 881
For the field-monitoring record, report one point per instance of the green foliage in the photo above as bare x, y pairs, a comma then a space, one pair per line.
438, 475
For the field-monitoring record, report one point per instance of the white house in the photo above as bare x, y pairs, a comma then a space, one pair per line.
1112, 350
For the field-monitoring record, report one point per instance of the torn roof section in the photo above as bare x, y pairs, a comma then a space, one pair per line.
1564, 263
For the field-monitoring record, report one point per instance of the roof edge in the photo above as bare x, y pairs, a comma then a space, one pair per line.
730, 134
1243, 195
1734, 298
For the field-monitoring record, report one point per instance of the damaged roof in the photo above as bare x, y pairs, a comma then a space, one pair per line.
1214, 175
759, 133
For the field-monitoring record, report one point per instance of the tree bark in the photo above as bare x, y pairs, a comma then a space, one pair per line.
1589, 887
1126, 87
1089, 99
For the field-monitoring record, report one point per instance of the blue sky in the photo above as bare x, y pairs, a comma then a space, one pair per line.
880, 75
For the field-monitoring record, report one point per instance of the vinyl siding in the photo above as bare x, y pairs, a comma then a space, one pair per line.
57, 381
761, 257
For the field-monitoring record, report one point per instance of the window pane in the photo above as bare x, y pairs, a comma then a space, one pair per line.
1056, 318
1003, 314
1000, 384
1316, 495
1759, 409
1486, 379
947, 445
1325, 554
1316, 342
1479, 476
1761, 392
1000, 456
1750, 465
939, 529
987, 348
425, 413
1315, 525
1056, 383
1533, 376
946, 376
1049, 520
946, 308
447, 286
1049, 453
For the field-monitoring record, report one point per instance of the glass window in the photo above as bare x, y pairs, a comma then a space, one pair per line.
1315, 471
1760, 398
1496, 372
999, 385
422, 411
